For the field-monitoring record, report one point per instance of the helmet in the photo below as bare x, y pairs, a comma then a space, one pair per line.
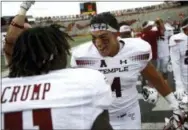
150, 95
184, 102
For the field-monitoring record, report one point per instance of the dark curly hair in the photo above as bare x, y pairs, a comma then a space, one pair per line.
39, 50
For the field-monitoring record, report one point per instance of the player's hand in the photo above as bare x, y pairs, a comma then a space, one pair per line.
179, 94
27, 4
184, 102
150, 95
185, 98
176, 121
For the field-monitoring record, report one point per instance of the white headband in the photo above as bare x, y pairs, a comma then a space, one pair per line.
150, 23
184, 26
102, 26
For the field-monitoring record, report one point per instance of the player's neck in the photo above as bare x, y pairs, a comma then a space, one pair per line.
117, 48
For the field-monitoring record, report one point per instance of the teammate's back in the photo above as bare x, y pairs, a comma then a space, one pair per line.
63, 99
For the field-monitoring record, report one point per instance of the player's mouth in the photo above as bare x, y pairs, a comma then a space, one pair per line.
103, 50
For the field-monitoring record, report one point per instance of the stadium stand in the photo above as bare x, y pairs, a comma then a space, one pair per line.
136, 16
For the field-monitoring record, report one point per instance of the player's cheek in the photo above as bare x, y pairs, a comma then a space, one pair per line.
106, 42
98, 43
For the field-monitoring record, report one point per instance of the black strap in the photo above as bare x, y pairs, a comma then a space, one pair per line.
17, 25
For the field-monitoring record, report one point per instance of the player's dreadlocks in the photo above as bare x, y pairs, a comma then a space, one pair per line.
39, 50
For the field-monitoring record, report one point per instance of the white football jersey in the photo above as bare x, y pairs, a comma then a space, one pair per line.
121, 70
63, 99
179, 58
163, 44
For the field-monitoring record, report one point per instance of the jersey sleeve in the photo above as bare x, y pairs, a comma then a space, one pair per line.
146, 50
103, 94
175, 60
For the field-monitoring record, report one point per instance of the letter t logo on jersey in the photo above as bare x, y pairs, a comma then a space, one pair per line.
103, 63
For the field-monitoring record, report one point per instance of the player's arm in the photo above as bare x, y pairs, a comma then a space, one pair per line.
15, 29
156, 79
159, 83
150, 73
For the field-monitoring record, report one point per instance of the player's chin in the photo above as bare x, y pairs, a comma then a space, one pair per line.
104, 53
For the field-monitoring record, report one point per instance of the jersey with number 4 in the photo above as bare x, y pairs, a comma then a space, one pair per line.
63, 99
179, 58
122, 70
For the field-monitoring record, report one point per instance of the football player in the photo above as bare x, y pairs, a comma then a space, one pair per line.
125, 31
163, 50
41, 93
152, 30
121, 60
179, 58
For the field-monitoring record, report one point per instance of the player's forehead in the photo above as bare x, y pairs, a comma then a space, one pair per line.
100, 33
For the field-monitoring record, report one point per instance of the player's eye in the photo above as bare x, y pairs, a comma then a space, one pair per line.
103, 37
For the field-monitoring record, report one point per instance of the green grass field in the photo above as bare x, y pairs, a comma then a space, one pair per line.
77, 41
